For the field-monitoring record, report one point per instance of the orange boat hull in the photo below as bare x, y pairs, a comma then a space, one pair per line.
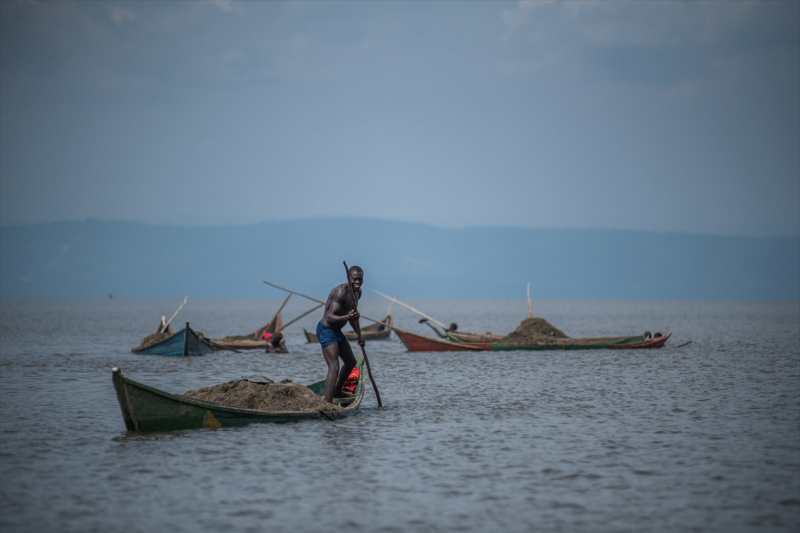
420, 343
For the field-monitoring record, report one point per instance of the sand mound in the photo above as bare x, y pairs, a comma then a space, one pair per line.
533, 331
152, 339
263, 397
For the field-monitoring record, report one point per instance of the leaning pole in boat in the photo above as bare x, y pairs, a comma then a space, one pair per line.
358, 332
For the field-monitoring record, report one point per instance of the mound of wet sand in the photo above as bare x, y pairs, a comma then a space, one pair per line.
152, 339
263, 397
533, 331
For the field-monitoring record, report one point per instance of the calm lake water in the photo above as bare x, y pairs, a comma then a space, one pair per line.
700, 438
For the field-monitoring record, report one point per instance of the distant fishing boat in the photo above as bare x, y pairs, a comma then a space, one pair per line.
255, 340
373, 332
271, 337
184, 342
421, 343
146, 408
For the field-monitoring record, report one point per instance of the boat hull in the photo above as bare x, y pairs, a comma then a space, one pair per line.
373, 332
145, 408
420, 343
575, 344
649, 344
184, 342
255, 340
459, 336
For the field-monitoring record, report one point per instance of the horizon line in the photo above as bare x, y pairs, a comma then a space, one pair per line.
12, 224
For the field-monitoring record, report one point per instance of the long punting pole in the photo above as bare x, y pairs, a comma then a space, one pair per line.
165, 326
323, 303
358, 332
282, 306
420, 313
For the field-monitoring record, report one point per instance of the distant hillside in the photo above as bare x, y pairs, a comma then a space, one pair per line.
132, 260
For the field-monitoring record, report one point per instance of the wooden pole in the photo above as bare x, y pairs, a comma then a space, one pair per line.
530, 307
420, 313
164, 328
321, 302
358, 332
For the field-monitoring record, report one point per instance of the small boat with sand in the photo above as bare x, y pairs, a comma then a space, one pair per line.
533, 334
373, 332
270, 337
255, 340
185, 342
146, 408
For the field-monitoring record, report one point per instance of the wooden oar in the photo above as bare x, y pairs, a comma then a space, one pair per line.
358, 332
420, 313
164, 328
323, 303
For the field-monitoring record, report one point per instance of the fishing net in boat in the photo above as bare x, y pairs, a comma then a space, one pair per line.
273, 397
533, 331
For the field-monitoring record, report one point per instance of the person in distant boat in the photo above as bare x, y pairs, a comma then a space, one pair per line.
276, 344
338, 312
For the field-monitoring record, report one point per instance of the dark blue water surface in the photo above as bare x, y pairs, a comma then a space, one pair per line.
700, 438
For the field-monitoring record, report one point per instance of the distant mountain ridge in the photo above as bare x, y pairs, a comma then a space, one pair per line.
92, 259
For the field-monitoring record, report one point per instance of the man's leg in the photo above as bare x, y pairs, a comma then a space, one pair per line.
349, 360
331, 355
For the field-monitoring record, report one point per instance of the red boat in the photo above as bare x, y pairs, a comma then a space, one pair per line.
420, 343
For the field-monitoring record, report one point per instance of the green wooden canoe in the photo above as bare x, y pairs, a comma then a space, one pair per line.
146, 408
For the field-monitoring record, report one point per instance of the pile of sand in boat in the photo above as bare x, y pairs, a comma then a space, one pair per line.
152, 339
157, 337
532, 331
538, 331
264, 396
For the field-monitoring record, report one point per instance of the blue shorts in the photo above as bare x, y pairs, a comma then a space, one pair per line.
327, 335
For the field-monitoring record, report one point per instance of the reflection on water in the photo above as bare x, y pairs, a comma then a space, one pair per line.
704, 437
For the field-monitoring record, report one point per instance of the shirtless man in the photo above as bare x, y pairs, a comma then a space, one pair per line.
338, 312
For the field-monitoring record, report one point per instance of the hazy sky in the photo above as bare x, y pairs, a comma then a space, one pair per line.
664, 116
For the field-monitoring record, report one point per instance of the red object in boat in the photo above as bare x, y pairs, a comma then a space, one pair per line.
420, 343
655, 342
352, 380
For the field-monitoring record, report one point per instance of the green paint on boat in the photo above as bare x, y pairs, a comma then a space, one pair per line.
146, 408
577, 345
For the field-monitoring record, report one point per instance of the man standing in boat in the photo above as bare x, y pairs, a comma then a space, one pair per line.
338, 312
